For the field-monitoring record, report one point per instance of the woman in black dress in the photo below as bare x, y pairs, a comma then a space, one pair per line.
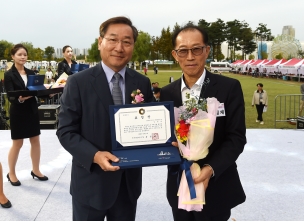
24, 117
65, 64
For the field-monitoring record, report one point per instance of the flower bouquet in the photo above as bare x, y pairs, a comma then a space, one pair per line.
61, 81
137, 97
194, 130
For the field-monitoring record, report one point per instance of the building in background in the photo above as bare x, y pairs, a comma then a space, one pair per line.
286, 44
289, 30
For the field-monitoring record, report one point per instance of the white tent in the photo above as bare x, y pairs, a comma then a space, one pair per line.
291, 66
272, 66
301, 70
242, 66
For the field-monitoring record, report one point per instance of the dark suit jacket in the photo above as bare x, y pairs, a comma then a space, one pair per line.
84, 129
63, 66
224, 190
13, 82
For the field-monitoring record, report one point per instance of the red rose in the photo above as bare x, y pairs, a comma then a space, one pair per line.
183, 129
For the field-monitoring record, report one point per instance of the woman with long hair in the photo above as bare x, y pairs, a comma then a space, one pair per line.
65, 64
24, 117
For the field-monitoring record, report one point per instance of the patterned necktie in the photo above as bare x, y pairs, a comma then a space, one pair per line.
116, 91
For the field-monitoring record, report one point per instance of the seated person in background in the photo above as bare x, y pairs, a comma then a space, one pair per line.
156, 85
156, 94
249, 70
35, 70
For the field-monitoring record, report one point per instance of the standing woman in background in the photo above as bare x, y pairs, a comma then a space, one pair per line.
65, 64
260, 100
24, 117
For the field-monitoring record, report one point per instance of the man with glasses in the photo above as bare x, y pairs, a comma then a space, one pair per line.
98, 188
223, 189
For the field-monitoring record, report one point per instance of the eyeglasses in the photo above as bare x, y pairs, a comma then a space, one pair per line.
113, 42
198, 50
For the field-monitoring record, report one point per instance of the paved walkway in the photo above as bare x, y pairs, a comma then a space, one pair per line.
271, 169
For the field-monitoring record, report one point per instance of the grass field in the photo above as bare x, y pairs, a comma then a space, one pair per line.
273, 87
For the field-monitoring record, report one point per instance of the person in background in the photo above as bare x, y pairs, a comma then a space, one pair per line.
49, 75
65, 65
156, 94
24, 117
35, 70
98, 188
302, 100
4, 202
260, 100
145, 70
55, 75
152, 86
223, 188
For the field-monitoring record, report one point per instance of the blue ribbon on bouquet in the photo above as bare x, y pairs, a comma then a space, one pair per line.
185, 165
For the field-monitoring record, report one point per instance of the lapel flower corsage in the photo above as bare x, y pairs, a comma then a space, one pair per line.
137, 97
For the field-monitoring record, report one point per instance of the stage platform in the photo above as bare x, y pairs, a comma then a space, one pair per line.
271, 170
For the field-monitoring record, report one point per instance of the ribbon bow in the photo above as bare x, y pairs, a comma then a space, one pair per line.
185, 165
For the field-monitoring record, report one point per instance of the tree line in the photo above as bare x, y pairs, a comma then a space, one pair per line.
35, 54
238, 35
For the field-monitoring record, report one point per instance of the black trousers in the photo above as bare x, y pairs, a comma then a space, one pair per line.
122, 210
259, 109
183, 215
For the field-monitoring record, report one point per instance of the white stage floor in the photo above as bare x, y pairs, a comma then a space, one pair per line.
271, 170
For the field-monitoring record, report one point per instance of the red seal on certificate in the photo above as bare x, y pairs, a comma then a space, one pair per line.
155, 136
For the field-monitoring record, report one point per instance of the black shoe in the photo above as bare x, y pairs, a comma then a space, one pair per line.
39, 178
6, 205
13, 183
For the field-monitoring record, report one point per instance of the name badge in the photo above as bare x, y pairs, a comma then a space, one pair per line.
221, 110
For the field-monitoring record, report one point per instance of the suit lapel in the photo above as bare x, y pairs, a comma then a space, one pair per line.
100, 85
130, 85
177, 97
18, 76
210, 90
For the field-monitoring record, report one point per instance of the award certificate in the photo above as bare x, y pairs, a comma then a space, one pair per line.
142, 134
138, 126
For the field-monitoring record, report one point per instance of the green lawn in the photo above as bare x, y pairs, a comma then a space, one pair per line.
272, 86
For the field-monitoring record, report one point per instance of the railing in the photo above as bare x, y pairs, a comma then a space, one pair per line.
286, 107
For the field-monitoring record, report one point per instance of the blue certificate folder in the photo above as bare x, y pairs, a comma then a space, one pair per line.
151, 148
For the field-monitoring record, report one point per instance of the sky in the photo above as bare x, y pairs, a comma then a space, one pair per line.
76, 22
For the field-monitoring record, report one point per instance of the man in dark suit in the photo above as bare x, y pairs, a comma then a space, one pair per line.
223, 189
98, 188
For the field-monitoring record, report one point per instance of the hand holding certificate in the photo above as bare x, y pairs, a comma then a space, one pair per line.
142, 134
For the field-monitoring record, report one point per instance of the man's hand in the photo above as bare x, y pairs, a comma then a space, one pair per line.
205, 175
103, 158
22, 99
175, 144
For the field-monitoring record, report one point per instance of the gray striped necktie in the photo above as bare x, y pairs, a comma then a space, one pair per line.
116, 91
